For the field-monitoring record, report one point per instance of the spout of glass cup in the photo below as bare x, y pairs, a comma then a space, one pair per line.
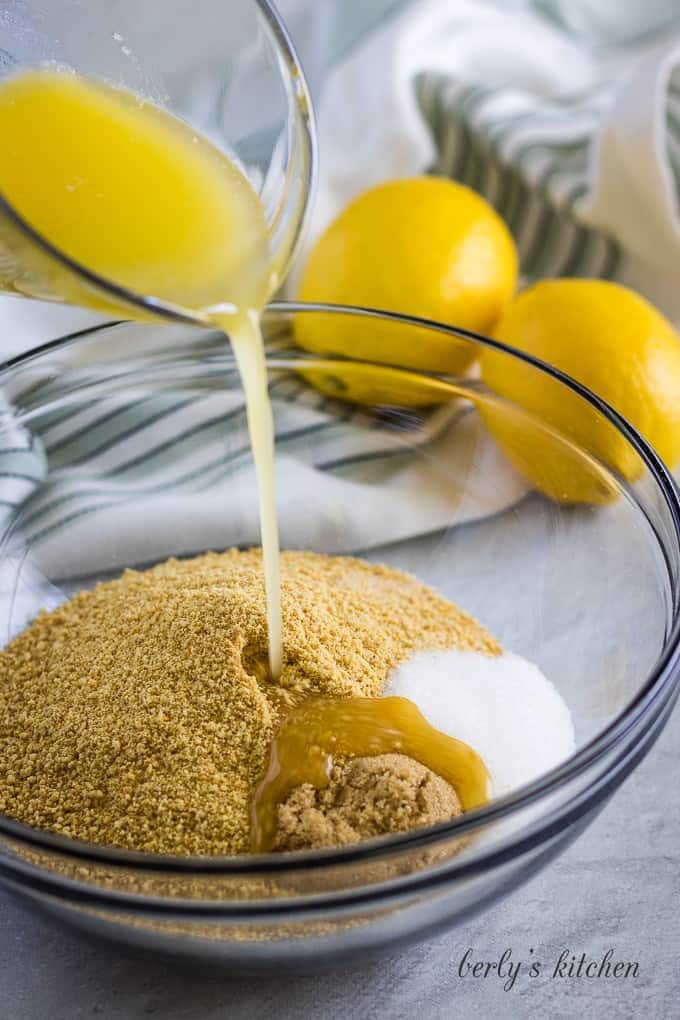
232, 74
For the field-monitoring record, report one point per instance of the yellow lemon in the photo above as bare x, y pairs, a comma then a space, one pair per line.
425, 246
614, 343
376, 385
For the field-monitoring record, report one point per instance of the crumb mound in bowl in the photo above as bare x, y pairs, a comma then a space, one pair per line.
140, 714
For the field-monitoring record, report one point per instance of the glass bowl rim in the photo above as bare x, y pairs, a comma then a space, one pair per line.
661, 683
300, 98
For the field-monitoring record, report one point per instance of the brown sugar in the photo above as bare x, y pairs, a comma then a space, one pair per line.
320, 731
140, 714
366, 797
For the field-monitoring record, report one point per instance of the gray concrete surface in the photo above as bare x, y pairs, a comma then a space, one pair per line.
618, 887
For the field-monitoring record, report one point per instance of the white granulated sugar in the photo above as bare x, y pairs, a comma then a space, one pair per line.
503, 707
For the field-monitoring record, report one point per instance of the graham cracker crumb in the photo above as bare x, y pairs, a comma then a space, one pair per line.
140, 714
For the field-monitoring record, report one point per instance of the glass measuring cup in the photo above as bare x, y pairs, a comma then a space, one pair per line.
230, 70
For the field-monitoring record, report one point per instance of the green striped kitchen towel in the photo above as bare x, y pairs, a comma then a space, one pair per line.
565, 114
165, 468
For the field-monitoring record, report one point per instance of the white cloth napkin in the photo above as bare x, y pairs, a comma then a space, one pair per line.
570, 128
152, 473
572, 132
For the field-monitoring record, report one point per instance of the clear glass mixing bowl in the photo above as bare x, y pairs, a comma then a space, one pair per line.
125, 444
229, 69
